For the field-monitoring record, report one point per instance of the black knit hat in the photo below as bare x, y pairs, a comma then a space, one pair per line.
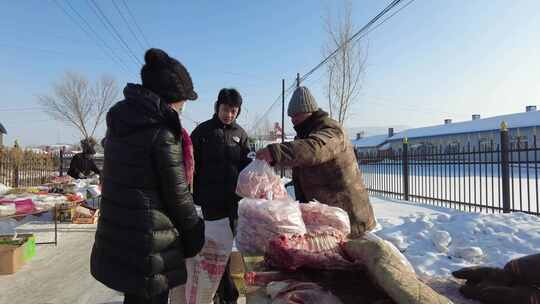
230, 97
87, 145
166, 77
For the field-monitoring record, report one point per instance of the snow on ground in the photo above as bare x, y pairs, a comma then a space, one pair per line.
438, 240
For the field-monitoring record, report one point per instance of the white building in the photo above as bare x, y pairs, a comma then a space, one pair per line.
478, 133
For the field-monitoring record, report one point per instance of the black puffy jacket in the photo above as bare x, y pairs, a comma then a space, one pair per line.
220, 153
148, 223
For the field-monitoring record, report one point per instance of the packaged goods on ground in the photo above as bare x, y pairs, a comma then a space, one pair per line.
291, 291
7, 209
319, 214
318, 249
261, 220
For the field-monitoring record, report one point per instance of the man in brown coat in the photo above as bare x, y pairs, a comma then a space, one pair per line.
323, 162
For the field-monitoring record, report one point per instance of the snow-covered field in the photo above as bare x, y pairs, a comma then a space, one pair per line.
439, 240
436, 240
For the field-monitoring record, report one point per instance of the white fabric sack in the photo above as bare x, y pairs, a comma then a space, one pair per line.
372, 236
94, 191
204, 271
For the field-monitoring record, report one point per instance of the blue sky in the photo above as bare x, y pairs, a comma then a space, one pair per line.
433, 60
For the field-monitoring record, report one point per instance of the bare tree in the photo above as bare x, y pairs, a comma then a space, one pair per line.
77, 103
346, 68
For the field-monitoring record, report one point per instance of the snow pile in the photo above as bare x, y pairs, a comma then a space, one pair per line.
438, 240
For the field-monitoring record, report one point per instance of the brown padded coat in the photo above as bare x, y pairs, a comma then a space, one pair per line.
325, 169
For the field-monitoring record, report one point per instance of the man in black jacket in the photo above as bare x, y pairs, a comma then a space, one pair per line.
220, 147
148, 223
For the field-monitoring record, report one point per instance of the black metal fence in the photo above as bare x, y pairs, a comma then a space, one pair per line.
485, 177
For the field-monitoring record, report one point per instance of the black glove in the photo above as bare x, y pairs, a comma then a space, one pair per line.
493, 294
477, 274
525, 270
193, 239
495, 286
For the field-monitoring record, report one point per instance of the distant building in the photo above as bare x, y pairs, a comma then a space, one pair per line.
372, 144
480, 133
2, 132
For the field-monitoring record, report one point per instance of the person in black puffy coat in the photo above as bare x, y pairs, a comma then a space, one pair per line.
220, 148
148, 223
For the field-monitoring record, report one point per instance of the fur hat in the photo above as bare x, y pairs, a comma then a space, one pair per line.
166, 77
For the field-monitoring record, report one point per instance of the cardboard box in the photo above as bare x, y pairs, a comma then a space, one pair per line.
14, 256
237, 263
85, 215
65, 211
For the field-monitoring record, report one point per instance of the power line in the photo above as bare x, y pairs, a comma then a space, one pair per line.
354, 36
104, 46
135, 22
112, 29
278, 99
325, 60
386, 19
128, 26
363, 29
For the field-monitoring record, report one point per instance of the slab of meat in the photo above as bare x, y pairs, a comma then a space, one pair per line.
320, 248
318, 214
295, 292
258, 180
263, 278
260, 221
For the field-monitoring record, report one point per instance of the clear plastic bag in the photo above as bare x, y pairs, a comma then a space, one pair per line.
259, 221
319, 214
259, 181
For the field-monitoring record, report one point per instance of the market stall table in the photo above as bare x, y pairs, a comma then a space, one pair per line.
38, 212
36, 204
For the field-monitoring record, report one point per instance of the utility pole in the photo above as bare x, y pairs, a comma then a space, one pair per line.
282, 118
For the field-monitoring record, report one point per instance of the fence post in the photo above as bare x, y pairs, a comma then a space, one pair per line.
16, 180
405, 169
61, 166
505, 167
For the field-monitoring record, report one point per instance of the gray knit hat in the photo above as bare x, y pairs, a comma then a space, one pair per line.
302, 102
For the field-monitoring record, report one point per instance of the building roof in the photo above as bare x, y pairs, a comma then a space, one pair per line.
517, 120
371, 141
2, 129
